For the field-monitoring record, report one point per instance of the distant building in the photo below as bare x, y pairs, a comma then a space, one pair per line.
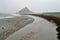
25, 11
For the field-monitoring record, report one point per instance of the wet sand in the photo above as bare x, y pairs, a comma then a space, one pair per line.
40, 29
11, 24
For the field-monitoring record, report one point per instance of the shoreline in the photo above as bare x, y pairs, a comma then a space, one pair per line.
14, 25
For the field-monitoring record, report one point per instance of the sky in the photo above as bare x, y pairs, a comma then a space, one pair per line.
12, 6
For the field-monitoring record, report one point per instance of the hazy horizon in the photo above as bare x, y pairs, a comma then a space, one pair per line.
12, 6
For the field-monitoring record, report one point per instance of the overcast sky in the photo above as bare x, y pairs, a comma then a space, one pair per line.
12, 6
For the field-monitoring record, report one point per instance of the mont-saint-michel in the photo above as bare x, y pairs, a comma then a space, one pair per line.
28, 25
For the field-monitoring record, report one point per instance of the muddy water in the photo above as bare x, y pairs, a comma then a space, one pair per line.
40, 29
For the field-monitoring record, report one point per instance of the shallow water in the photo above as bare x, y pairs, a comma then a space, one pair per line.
40, 29
9, 16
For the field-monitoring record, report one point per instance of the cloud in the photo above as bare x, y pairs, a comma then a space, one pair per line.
11, 6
